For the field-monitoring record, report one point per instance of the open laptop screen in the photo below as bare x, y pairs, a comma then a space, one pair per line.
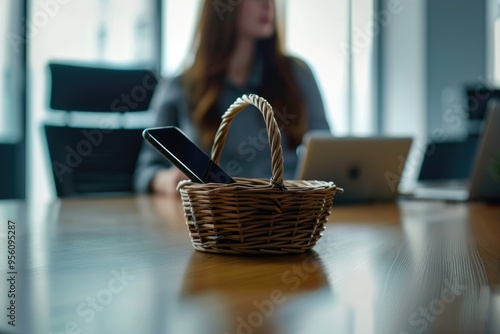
448, 160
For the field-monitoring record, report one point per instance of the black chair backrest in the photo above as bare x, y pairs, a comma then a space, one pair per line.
95, 89
90, 161
477, 100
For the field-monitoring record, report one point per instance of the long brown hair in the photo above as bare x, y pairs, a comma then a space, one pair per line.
215, 40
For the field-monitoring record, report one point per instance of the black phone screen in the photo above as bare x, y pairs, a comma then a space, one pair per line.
174, 145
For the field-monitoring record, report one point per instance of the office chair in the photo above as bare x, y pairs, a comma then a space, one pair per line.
92, 160
453, 159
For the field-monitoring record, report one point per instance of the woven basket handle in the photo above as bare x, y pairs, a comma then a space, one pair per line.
273, 133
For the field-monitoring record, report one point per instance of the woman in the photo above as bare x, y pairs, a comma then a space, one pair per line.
238, 52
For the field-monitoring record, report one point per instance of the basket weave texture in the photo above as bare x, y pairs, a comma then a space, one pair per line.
256, 216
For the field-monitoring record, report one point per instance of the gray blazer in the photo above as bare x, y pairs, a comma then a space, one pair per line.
246, 151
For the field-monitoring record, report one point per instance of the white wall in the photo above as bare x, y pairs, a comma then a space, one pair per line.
456, 56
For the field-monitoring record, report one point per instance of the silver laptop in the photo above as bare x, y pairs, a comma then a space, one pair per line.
368, 169
484, 182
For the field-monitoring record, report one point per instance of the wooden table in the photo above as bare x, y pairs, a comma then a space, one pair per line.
125, 265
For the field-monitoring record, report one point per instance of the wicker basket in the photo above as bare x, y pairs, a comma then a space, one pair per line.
256, 216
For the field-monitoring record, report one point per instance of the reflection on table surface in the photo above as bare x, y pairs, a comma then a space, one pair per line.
125, 265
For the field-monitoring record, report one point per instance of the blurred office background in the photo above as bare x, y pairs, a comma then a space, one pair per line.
385, 67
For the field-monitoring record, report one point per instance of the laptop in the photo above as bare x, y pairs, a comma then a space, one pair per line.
368, 169
484, 181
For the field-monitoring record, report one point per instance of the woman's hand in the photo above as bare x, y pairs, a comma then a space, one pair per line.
165, 181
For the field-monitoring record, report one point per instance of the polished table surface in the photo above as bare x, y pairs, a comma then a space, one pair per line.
126, 265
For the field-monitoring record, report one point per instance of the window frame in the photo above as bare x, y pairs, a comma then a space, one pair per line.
13, 146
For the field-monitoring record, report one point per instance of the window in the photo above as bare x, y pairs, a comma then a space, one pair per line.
316, 33
179, 17
3, 68
336, 39
111, 32
493, 41
9, 116
497, 51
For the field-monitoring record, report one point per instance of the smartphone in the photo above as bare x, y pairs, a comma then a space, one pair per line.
174, 145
